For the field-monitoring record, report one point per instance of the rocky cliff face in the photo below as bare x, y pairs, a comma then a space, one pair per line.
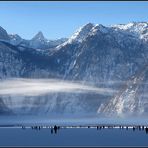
3, 34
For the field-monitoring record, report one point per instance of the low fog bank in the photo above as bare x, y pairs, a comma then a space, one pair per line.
53, 96
36, 87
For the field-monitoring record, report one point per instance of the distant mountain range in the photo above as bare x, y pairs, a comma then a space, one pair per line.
38, 41
115, 57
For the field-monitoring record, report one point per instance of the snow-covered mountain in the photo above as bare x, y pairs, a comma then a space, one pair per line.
138, 29
79, 35
37, 42
106, 57
113, 54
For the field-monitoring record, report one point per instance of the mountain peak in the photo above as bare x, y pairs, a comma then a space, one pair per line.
39, 36
3, 34
88, 25
81, 33
14, 36
15, 39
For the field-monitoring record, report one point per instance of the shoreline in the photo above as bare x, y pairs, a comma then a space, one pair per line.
101, 126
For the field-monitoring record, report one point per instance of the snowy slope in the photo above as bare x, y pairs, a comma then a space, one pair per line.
15, 39
23, 62
139, 29
132, 99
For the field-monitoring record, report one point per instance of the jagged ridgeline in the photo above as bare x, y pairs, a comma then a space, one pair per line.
112, 57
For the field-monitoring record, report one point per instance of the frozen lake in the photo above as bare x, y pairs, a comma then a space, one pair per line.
72, 137
22, 131
74, 131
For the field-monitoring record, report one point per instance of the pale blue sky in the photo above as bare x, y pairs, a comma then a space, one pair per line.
61, 19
